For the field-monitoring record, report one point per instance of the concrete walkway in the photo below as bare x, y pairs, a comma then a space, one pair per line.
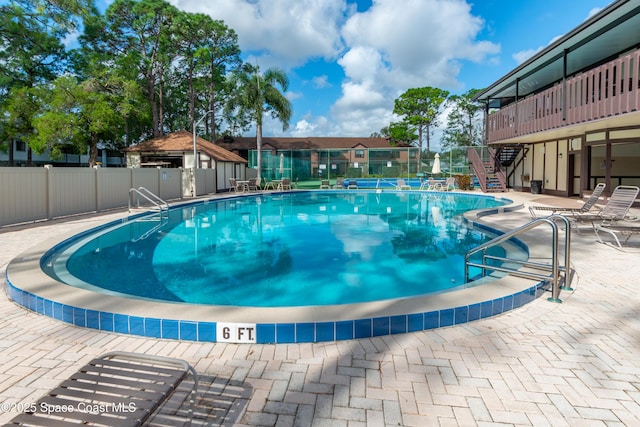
569, 364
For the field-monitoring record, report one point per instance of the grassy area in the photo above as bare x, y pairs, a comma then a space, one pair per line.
310, 185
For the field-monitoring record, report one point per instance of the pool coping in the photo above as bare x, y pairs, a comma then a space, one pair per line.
30, 287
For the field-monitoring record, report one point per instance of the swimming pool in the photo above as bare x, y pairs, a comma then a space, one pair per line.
315, 265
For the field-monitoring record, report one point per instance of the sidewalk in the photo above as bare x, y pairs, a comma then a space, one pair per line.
569, 364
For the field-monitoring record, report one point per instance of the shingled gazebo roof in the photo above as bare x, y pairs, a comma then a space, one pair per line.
182, 141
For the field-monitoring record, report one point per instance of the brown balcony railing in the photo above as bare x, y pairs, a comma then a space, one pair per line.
608, 90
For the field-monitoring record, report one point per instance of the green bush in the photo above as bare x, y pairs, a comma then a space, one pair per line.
463, 182
354, 172
391, 172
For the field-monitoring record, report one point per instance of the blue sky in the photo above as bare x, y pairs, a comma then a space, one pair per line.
347, 60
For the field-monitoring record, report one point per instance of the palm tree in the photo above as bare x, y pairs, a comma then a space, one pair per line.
256, 95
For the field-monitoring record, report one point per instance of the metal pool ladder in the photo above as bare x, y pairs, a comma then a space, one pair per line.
141, 192
559, 275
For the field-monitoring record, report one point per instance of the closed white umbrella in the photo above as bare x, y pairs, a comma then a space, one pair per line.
436, 165
281, 164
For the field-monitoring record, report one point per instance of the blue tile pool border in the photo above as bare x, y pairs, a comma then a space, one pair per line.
274, 333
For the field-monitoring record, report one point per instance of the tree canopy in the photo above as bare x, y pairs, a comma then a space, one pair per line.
419, 109
464, 126
257, 95
157, 68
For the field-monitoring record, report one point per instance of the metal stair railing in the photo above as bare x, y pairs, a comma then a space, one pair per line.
498, 169
559, 275
149, 196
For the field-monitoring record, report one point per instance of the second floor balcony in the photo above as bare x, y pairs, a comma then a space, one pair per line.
610, 90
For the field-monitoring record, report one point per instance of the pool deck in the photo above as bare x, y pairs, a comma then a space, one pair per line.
575, 363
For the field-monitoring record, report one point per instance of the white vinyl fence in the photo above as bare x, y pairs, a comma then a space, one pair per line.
32, 194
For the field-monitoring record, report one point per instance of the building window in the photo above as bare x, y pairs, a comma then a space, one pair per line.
21, 146
359, 154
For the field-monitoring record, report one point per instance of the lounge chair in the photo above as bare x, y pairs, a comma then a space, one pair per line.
352, 184
339, 185
402, 185
115, 389
624, 229
586, 207
324, 184
616, 209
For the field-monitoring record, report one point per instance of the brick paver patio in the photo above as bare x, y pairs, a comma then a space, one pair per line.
570, 364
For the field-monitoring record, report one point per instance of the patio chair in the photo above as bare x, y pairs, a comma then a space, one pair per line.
324, 184
285, 184
586, 207
233, 185
352, 184
450, 184
339, 185
270, 185
616, 209
402, 185
433, 185
254, 184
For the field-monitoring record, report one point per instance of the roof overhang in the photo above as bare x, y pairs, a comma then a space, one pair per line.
613, 30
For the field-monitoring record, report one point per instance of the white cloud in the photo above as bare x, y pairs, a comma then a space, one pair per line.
383, 51
70, 41
390, 49
523, 55
288, 32
594, 11
293, 95
321, 82
303, 128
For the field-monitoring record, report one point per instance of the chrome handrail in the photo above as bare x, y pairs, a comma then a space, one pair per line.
149, 196
555, 268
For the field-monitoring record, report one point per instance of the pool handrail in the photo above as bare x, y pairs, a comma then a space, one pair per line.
555, 268
151, 197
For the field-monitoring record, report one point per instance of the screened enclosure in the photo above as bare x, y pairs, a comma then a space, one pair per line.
305, 165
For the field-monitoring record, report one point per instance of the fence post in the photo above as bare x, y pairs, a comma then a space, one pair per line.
96, 187
48, 191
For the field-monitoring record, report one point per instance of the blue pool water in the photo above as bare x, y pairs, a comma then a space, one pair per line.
275, 250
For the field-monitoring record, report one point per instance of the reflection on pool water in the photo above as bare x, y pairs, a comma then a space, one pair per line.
281, 250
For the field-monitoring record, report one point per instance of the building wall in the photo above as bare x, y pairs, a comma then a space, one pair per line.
573, 166
21, 158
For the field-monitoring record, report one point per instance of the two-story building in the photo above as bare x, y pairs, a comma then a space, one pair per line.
326, 157
569, 117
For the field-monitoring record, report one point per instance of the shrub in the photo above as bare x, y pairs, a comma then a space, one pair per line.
463, 182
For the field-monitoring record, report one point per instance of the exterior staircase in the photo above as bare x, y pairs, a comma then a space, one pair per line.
488, 170
507, 154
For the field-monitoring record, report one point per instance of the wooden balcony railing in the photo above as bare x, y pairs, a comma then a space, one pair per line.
607, 90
